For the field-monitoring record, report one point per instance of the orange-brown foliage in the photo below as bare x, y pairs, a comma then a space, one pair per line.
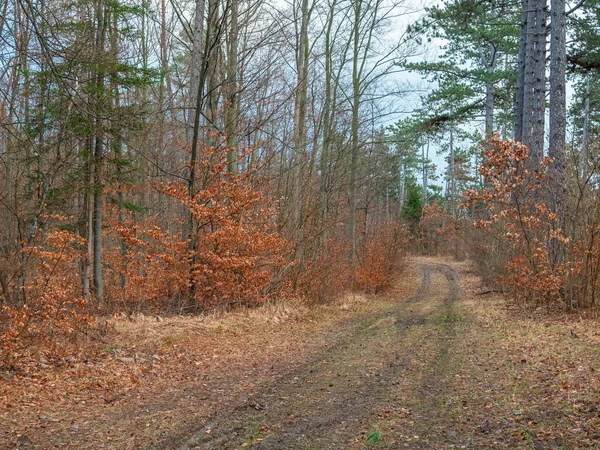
235, 246
50, 306
326, 273
230, 257
380, 257
149, 269
232, 253
519, 224
437, 227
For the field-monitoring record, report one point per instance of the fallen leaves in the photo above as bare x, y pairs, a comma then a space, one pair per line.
163, 369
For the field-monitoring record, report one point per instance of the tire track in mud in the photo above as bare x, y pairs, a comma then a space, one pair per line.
326, 402
432, 388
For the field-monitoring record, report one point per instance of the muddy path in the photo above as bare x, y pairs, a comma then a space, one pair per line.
336, 399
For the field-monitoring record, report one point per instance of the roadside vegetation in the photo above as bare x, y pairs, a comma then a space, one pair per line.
371, 205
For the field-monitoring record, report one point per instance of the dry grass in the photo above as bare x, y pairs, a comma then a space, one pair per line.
527, 374
510, 378
543, 368
150, 331
155, 377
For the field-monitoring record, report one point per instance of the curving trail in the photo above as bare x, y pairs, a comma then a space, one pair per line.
390, 368
444, 368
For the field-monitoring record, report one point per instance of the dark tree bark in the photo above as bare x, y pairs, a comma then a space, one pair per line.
539, 84
99, 156
529, 74
518, 131
230, 104
558, 121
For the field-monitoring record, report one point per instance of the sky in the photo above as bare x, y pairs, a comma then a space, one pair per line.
429, 52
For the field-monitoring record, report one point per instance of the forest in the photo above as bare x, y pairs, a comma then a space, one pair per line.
181, 158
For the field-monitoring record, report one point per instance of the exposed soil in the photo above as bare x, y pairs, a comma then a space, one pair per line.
431, 365
326, 403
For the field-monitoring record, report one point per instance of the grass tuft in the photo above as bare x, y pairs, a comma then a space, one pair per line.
374, 436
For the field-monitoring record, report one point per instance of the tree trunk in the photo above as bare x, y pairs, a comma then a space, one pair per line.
99, 155
212, 67
529, 72
89, 221
539, 86
452, 175
200, 54
558, 122
425, 158
302, 55
355, 148
196, 68
117, 143
489, 64
231, 87
328, 109
586, 123
520, 94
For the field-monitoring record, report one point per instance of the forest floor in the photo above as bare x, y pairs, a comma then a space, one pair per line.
432, 364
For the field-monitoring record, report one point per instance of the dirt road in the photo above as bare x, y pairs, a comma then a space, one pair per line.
389, 373
444, 369
430, 365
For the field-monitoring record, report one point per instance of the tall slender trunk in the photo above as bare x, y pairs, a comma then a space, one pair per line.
99, 152
302, 56
97, 261
161, 110
452, 175
332, 81
520, 92
539, 85
586, 123
355, 148
328, 109
164, 56
21, 77
117, 140
213, 75
529, 73
489, 63
230, 103
145, 149
558, 123
89, 231
401, 185
425, 168
198, 73
197, 64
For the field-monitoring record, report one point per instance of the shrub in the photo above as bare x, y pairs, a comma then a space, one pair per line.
380, 257
48, 307
519, 225
234, 247
438, 227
